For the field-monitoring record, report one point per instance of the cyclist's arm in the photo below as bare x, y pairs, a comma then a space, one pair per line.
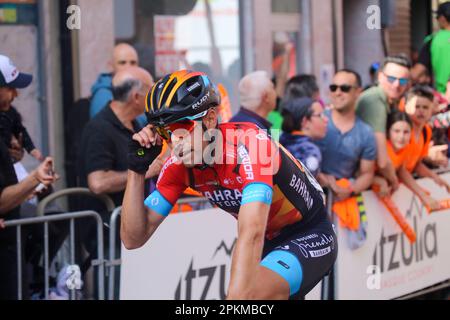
247, 254
138, 223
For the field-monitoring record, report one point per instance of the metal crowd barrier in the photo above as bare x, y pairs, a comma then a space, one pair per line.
60, 217
107, 201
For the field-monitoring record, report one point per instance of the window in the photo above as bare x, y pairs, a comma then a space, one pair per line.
195, 34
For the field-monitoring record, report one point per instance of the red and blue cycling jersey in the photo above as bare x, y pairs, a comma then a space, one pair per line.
250, 168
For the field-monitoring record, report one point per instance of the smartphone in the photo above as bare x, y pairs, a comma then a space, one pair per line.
40, 187
52, 169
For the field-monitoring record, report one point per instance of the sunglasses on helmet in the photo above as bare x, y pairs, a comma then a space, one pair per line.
167, 131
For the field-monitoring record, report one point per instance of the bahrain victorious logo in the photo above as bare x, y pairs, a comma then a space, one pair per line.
208, 281
394, 251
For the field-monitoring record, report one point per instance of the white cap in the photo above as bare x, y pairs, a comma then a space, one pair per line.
10, 75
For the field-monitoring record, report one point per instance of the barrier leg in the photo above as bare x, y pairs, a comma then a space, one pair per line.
19, 262
100, 254
112, 253
72, 252
46, 264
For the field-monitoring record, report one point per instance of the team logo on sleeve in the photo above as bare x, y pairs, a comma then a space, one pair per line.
246, 163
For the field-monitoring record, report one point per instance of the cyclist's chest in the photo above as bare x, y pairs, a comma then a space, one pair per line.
221, 186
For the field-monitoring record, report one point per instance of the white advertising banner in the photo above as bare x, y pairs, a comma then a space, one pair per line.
188, 258
388, 266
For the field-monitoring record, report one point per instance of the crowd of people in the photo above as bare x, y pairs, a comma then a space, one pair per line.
384, 134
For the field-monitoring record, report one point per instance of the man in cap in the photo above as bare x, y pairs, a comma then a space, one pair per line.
12, 131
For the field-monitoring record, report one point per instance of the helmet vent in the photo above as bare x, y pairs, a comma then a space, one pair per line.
167, 92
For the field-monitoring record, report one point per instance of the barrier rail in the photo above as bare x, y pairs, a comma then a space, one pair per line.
109, 204
60, 217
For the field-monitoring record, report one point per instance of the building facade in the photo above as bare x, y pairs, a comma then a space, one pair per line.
66, 44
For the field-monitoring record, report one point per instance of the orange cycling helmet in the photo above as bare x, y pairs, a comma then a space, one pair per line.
182, 95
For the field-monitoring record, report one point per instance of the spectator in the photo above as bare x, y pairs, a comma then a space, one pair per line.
399, 129
423, 78
12, 194
349, 149
419, 106
373, 73
434, 55
102, 160
123, 57
283, 65
300, 86
104, 143
258, 99
10, 120
304, 121
375, 104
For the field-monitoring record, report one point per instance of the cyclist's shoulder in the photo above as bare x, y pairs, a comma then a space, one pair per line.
172, 166
239, 127
239, 132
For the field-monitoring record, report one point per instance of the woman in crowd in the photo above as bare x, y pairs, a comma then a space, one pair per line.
304, 121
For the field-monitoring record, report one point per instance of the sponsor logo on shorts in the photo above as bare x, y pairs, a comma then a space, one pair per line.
307, 245
320, 253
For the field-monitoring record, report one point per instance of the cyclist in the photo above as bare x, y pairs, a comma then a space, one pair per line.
285, 244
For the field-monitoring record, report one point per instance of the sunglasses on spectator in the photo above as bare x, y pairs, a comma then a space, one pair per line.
167, 131
346, 88
402, 81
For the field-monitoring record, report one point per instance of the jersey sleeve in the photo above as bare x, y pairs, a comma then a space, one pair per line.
171, 184
258, 160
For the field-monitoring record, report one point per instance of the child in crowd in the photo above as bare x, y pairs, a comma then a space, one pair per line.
420, 107
304, 121
399, 134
